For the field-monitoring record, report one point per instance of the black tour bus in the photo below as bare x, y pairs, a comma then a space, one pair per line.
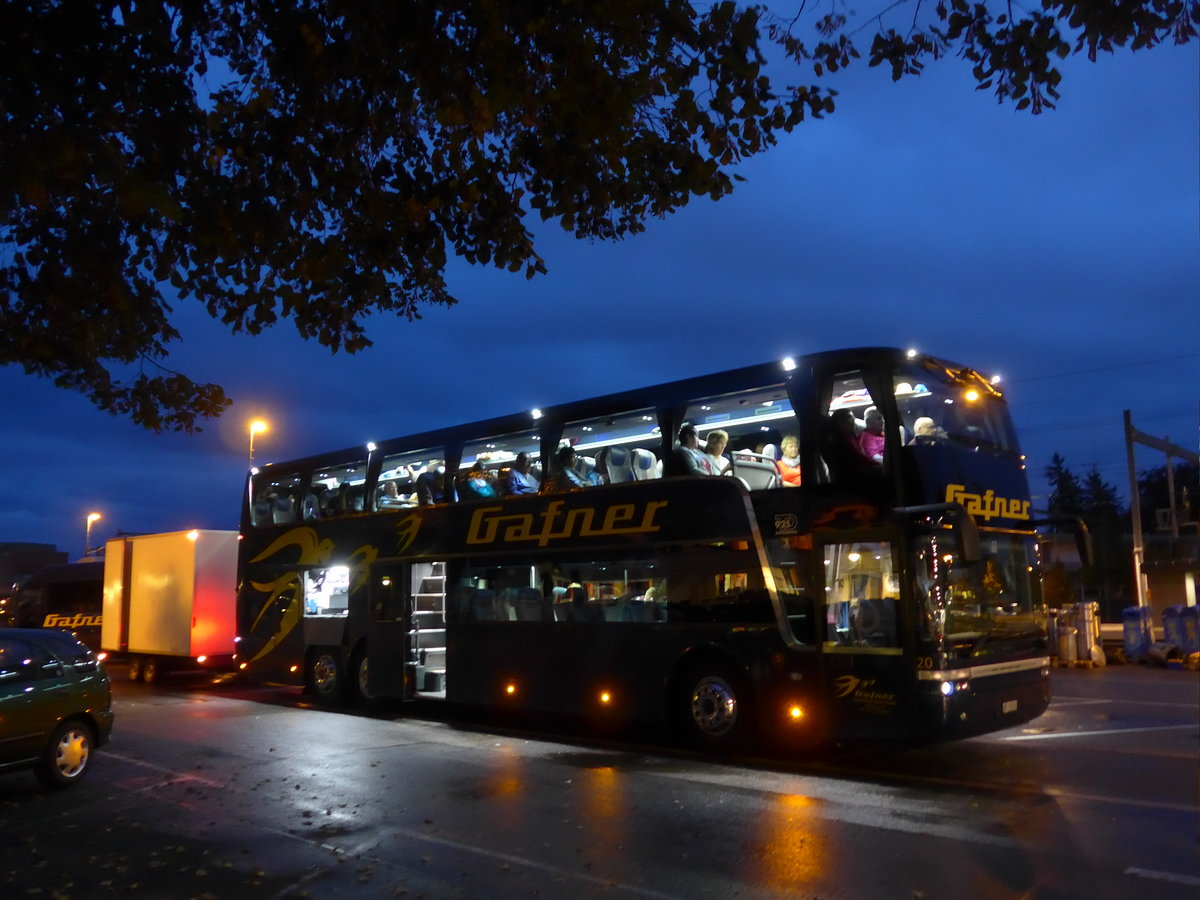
67, 596
892, 594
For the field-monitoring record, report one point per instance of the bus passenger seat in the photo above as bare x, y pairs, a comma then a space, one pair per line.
284, 510
770, 451
619, 465
644, 464
483, 605
529, 605
262, 511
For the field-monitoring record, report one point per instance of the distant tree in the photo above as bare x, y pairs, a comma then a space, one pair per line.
1098, 504
320, 160
1066, 495
1111, 573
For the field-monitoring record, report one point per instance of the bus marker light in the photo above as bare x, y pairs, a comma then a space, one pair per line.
202, 659
510, 688
796, 712
605, 698
294, 668
242, 666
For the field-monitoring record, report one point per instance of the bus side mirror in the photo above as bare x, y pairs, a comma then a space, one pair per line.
1076, 527
963, 523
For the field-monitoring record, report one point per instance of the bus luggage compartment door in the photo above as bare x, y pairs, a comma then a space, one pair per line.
388, 624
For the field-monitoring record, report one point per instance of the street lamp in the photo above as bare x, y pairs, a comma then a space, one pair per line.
87, 532
258, 426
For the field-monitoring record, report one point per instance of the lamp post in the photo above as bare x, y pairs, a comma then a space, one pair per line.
87, 532
258, 426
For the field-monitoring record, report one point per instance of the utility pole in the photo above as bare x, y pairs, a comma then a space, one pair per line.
1132, 435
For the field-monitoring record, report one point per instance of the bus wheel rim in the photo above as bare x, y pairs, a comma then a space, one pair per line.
714, 706
324, 673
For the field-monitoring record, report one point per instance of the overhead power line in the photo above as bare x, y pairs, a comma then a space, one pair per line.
1148, 362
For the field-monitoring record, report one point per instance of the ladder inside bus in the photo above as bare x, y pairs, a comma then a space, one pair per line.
427, 630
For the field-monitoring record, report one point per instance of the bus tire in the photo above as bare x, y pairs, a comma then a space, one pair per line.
135, 668
362, 691
327, 676
152, 670
68, 754
713, 707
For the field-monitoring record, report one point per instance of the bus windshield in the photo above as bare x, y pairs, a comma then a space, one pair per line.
980, 605
939, 403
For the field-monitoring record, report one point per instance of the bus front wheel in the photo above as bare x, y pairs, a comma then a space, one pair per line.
713, 708
326, 676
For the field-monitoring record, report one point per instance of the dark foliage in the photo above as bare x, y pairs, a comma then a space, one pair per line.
317, 162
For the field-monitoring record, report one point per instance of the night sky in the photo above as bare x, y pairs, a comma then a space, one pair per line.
1060, 251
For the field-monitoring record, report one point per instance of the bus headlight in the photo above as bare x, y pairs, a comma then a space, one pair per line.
947, 688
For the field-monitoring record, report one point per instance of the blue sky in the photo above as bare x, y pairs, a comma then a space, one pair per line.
1061, 251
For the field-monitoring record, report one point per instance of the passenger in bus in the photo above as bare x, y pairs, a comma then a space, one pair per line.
686, 457
563, 477
926, 430
842, 451
476, 483
714, 449
872, 441
520, 478
788, 463
431, 485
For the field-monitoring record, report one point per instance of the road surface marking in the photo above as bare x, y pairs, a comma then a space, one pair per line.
1075, 734
1173, 877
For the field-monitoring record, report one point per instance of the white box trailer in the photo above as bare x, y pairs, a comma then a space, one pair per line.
169, 601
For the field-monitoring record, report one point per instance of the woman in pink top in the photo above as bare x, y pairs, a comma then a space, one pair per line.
871, 441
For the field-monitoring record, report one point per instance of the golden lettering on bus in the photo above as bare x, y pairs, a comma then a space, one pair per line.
489, 525
862, 692
987, 505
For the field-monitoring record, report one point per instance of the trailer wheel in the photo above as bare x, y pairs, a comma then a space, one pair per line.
713, 708
327, 677
135, 668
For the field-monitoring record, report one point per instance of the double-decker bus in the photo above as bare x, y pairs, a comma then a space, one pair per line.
864, 568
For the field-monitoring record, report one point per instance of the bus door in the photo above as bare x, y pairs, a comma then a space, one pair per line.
869, 683
406, 630
388, 622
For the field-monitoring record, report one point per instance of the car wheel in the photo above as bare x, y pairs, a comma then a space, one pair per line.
68, 754
326, 677
135, 668
713, 708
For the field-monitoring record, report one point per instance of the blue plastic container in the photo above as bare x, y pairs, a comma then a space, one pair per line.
1135, 621
1189, 626
1172, 623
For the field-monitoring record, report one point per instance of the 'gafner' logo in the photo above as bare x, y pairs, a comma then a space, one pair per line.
79, 620
620, 518
987, 506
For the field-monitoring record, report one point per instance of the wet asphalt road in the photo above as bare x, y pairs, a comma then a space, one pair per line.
231, 791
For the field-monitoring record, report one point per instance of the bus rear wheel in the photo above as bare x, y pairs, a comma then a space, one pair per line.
327, 677
713, 708
362, 690
135, 668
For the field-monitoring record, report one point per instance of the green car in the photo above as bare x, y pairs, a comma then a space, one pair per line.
55, 704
